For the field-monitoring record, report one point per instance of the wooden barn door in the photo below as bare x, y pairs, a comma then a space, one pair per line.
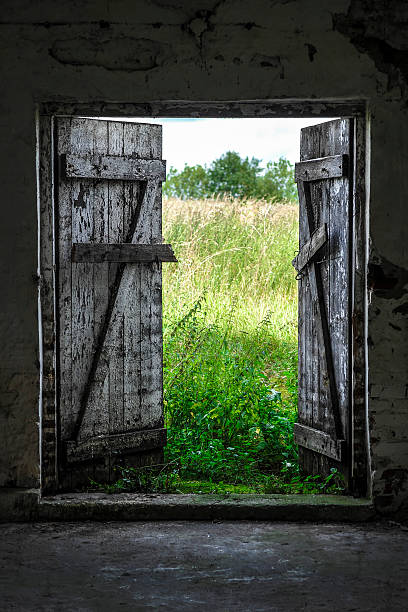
108, 210
323, 271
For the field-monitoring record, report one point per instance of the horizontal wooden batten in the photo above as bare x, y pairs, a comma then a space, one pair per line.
319, 441
115, 444
90, 252
311, 247
112, 167
334, 166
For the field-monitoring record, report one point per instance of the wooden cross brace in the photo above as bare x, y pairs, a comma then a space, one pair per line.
309, 250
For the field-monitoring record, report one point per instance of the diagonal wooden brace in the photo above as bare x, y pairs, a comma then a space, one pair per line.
309, 250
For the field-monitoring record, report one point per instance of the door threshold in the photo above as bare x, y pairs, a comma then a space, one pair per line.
175, 507
18, 504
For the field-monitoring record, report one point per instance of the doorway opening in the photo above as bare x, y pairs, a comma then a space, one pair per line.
231, 213
230, 342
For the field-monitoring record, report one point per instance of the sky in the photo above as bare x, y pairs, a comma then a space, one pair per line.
200, 141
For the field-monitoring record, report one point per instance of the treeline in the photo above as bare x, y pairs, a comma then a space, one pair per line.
231, 175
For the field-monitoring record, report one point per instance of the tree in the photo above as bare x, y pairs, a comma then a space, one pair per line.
278, 181
190, 183
231, 175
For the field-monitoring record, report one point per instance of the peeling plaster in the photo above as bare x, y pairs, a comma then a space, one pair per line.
266, 61
132, 54
387, 280
363, 25
391, 491
311, 51
200, 24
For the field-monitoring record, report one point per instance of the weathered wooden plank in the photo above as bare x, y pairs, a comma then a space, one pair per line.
117, 233
325, 375
99, 399
131, 332
150, 274
64, 306
49, 467
333, 166
329, 204
76, 298
101, 446
358, 219
310, 248
319, 441
224, 108
133, 199
123, 252
339, 292
64, 284
113, 167
86, 137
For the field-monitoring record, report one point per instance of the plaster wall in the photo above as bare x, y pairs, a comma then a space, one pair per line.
122, 51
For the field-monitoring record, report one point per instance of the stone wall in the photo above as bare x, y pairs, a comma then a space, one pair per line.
124, 51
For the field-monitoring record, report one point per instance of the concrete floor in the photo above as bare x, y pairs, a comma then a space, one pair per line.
223, 566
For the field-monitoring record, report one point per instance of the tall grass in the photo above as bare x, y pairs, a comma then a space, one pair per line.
230, 339
235, 253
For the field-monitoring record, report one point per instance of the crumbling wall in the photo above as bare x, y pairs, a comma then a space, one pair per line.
122, 51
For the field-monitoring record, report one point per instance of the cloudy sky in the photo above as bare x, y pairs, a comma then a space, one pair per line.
200, 141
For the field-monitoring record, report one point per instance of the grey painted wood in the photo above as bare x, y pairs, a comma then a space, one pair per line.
358, 451
100, 446
49, 467
323, 332
121, 253
332, 166
207, 108
310, 248
319, 442
329, 200
113, 167
110, 332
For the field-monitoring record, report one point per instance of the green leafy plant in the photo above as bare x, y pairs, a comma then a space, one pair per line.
146, 479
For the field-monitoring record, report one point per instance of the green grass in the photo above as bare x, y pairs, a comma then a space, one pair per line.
230, 353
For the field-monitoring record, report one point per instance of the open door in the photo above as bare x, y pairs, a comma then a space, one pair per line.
109, 254
324, 179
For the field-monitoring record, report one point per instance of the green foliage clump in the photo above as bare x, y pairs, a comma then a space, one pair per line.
146, 479
230, 175
277, 181
226, 422
188, 184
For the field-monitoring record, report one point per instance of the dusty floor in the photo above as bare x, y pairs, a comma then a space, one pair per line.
203, 566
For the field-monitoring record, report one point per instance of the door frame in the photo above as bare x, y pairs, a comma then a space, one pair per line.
46, 112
